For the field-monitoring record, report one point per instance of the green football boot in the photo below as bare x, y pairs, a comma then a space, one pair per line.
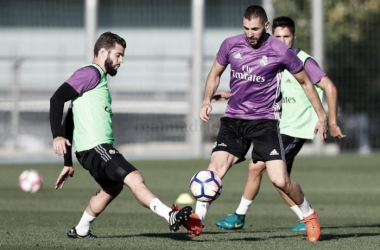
300, 227
231, 222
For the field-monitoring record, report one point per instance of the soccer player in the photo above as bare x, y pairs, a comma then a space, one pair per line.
296, 125
89, 121
257, 61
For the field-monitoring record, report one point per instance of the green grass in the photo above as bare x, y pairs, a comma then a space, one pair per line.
345, 190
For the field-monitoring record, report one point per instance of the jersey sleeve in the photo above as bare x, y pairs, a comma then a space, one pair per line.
313, 70
222, 55
84, 79
68, 130
291, 61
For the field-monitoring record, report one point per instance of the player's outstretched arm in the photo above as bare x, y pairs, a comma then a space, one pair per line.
67, 171
212, 83
332, 102
312, 95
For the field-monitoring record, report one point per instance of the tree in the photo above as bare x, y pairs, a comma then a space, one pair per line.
352, 47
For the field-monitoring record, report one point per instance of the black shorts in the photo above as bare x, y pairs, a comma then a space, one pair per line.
105, 164
236, 136
292, 147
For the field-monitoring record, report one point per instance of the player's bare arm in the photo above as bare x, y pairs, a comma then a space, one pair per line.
67, 171
332, 99
312, 95
212, 83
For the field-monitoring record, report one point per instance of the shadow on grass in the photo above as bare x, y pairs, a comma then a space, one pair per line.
187, 237
351, 226
330, 237
173, 236
267, 230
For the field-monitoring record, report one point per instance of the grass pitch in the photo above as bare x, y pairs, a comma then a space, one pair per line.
345, 190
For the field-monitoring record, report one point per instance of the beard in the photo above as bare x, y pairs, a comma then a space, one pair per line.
110, 67
259, 41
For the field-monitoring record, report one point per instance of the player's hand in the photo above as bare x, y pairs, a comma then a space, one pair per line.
59, 145
221, 96
321, 128
67, 171
205, 110
335, 132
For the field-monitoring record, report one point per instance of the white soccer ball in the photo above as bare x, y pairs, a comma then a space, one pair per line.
206, 186
30, 181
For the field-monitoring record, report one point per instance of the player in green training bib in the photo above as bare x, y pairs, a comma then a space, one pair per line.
296, 125
89, 121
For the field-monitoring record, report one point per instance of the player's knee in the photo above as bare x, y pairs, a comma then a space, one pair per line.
218, 168
256, 169
114, 190
221, 162
281, 183
133, 179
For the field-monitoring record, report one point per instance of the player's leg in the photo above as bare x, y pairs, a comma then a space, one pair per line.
292, 147
108, 165
278, 175
221, 162
268, 147
295, 208
98, 202
92, 161
146, 198
118, 169
228, 150
252, 186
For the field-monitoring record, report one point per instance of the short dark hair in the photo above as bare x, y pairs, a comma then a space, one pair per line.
255, 11
284, 22
108, 40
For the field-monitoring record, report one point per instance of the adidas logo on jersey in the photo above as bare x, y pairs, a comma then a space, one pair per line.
274, 152
238, 56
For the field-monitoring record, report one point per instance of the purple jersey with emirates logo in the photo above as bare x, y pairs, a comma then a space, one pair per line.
255, 76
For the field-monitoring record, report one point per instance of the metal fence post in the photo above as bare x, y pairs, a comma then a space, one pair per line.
317, 49
15, 113
194, 128
91, 17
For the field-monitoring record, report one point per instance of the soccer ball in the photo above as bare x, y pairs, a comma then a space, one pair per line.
30, 181
205, 186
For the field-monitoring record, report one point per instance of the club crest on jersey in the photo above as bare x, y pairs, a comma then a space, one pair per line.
264, 61
238, 56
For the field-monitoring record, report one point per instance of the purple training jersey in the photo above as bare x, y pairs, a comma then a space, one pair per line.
84, 79
255, 76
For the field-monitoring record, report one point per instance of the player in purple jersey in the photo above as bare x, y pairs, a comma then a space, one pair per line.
257, 61
91, 113
283, 28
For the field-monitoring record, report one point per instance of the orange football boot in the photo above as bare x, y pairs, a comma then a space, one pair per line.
193, 224
313, 229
